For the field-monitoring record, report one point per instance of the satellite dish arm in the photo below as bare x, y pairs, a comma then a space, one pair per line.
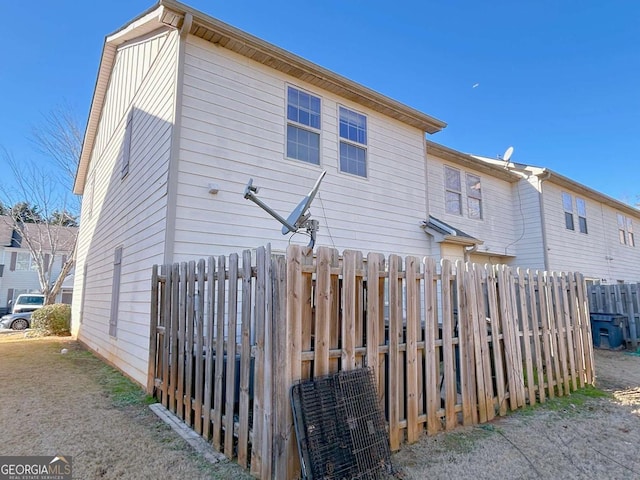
249, 194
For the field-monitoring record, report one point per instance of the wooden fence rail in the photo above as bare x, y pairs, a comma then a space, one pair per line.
449, 344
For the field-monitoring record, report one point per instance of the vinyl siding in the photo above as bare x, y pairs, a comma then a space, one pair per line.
499, 209
528, 225
597, 254
233, 128
127, 212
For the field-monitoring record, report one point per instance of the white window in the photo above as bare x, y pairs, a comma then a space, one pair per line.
453, 191
581, 206
474, 196
353, 142
24, 262
303, 126
625, 230
567, 204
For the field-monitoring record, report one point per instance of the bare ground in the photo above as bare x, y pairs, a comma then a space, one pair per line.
52, 403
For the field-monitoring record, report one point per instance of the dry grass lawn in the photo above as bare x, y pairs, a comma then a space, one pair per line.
73, 404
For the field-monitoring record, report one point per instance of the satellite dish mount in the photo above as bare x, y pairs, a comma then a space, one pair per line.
299, 218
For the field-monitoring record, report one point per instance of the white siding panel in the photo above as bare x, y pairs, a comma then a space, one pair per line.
130, 211
597, 254
233, 128
498, 228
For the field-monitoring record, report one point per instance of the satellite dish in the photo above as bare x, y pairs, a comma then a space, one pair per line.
507, 154
299, 218
300, 214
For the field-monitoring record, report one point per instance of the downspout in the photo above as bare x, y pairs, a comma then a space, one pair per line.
174, 155
543, 223
468, 251
426, 188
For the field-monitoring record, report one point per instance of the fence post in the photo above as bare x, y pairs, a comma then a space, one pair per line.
153, 335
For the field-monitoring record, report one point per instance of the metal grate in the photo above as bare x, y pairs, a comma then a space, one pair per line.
340, 427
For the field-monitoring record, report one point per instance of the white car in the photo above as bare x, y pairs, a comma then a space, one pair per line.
27, 302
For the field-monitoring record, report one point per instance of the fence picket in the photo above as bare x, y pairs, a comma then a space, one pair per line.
259, 368
232, 331
432, 357
485, 350
395, 336
448, 326
245, 361
208, 293
496, 339
349, 311
199, 352
323, 313
218, 401
526, 337
412, 269
535, 331
467, 350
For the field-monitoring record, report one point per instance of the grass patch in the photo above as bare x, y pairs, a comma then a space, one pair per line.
567, 403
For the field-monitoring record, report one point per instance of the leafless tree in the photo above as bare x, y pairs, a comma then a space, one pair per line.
45, 230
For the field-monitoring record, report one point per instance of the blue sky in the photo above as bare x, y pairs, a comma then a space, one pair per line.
557, 80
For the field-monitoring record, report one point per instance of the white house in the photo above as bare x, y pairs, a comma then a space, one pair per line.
186, 110
18, 272
571, 227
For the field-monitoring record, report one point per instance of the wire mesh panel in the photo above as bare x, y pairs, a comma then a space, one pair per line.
340, 427
323, 442
357, 398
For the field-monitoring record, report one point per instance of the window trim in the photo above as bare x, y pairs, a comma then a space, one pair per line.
355, 143
626, 235
301, 126
568, 212
471, 197
449, 190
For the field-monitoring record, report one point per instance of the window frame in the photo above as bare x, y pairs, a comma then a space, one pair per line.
625, 230
582, 216
569, 222
359, 144
450, 190
299, 126
32, 266
471, 196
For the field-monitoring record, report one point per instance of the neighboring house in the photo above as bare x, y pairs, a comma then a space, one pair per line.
565, 226
184, 101
17, 266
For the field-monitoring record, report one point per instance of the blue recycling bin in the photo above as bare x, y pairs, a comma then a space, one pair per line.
607, 330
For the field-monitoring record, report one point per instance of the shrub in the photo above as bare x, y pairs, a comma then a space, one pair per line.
52, 319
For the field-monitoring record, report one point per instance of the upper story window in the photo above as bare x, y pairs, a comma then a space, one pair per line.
581, 206
303, 126
353, 142
625, 230
567, 204
453, 191
474, 196
24, 262
581, 209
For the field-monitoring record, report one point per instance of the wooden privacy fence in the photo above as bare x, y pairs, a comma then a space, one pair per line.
622, 299
454, 344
